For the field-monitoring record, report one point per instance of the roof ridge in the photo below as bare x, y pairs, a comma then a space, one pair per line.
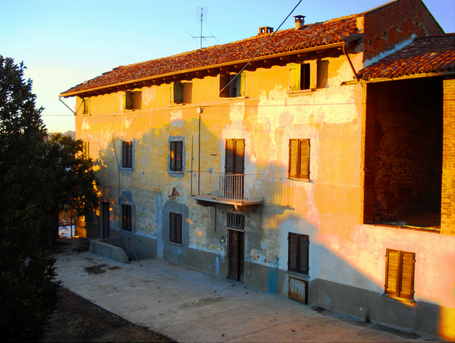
437, 36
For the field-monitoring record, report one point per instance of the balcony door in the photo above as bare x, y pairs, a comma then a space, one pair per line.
234, 168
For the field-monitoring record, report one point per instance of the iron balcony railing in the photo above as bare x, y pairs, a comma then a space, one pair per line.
241, 188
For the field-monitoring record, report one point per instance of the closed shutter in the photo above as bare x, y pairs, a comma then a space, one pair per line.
293, 157
313, 74
127, 154
304, 158
293, 252
392, 270
177, 93
239, 164
230, 156
407, 275
126, 217
294, 82
175, 227
304, 243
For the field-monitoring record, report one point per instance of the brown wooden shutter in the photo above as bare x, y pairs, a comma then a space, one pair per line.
407, 275
304, 158
293, 157
293, 252
303, 263
392, 271
127, 154
239, 164
128, 100
230, 153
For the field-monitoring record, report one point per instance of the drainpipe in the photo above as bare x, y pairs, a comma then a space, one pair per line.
350, 63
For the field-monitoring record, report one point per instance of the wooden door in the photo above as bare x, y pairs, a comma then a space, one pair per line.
236, 255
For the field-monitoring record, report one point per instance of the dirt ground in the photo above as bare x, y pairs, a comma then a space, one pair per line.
79, 320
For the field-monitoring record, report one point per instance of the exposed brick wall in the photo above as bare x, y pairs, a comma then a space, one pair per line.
395, 23
403, 148
448, 164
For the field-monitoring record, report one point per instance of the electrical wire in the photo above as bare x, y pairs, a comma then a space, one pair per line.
259, 50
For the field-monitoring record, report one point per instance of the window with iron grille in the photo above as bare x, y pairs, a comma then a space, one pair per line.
127, 154
176, 156
126, 217
399, 274
236, 221
175, 228
298, 253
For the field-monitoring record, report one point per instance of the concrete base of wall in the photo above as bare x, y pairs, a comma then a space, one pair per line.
418, 317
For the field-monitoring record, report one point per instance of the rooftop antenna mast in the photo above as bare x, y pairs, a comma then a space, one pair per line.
201, 17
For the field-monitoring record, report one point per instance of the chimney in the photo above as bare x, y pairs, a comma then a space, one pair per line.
299, 21
265, 29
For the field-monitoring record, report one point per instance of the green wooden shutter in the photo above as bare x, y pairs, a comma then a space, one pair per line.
304, 158
177, 93
392, 271
293, 157
294, 83
407, 275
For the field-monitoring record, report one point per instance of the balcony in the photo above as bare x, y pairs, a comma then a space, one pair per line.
232, 189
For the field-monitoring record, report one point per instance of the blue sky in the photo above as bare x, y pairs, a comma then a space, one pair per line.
64, 43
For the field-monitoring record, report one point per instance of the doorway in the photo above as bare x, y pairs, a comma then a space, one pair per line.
236, 255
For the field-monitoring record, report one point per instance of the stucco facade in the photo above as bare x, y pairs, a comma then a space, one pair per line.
333, 207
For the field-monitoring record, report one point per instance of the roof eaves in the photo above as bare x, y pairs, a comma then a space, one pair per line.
67, 94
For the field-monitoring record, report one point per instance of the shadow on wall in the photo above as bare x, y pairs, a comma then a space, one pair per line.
152, 206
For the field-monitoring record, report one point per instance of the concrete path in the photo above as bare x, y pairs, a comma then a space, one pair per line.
190, 306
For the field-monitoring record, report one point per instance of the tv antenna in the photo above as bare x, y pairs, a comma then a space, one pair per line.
201, 17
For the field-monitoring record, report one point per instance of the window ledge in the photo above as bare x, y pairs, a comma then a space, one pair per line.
300, 180
176, 244
235, 97
302, 91
295, 275
409, 302
176, 172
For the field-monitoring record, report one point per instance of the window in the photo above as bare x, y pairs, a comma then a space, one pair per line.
232, 85
126, 217
310, 75
299, 159
127, 154
298, 253
85, 150
236, 221
86, 105
175, 228
176, 156
399, 274
181, 93
235, 156
132, 100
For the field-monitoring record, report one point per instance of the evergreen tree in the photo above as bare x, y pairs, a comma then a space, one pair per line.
39, 177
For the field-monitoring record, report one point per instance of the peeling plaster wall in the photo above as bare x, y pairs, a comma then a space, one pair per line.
328, 208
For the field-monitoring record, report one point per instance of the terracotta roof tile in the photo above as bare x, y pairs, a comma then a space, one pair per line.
424, 55
312, 35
